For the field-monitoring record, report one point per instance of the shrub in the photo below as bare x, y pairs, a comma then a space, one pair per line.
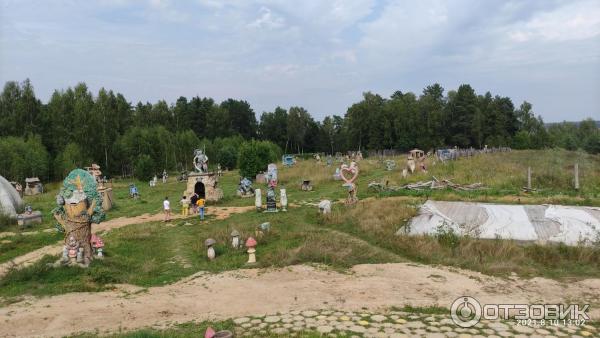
144, 168
447, 237
254, 156
227, 157
21, 158
70, 158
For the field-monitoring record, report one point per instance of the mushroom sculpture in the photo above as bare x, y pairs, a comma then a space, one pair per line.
210, 252
97, 245
210, 332
251, 245
235, 239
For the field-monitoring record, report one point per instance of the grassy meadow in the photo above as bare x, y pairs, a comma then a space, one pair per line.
154, 253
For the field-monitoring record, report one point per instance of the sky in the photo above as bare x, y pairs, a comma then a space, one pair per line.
321, 55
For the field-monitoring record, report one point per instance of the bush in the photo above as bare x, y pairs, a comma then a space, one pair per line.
592, 145
227, 157
70, 158
21, 158
446, 236
254, 156
144, 168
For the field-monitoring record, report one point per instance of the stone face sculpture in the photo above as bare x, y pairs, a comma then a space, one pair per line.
283, 199
258, 199
79, 205
10, 200
106, 192
306, 186
33, 186
271, 199
410, 164
272, 175
337, 176
349, 181
288, 160
245, 188
325, 207
200, 161
390, 165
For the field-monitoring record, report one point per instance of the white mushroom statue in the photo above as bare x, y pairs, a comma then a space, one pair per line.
235, 239
210, 252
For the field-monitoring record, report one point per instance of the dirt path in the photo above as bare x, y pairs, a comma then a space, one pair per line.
55, 249
257, 292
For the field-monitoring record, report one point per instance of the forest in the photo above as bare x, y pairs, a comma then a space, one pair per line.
77, 127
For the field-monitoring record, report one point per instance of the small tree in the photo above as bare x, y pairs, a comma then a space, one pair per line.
144, 168
254, 156
70, 158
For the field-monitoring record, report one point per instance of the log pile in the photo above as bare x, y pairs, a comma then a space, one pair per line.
433, 184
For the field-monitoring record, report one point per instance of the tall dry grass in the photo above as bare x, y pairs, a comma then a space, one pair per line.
377, 221
318, 173
552, 169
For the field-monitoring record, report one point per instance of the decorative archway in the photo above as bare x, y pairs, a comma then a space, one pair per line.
200, 190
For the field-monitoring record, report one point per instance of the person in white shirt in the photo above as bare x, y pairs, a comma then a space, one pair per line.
167, 209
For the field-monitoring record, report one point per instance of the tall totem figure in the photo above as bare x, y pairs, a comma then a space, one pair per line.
79, 205
349, 181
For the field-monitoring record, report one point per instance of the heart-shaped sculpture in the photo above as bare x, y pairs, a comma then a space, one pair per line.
353, 170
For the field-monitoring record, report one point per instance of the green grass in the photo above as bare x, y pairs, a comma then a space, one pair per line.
22, 244
188, 330
153, 254
375, 221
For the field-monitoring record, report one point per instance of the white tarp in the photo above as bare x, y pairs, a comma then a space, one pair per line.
542, 223
10, 201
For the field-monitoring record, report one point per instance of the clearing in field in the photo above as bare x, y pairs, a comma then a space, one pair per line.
368, 263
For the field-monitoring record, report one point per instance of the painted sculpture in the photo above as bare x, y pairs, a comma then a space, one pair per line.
245, 188
251, 245
272, 175
202, 182
349, 181
79, 205
210, 250
98, 246
283, 199
235, 239
325, 207
200, 161
271, 199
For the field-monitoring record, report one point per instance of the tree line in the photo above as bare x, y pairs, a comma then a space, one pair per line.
76, 128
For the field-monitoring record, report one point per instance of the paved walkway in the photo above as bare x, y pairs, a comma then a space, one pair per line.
394, 324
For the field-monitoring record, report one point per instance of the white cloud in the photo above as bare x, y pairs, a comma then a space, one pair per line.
575, 21
267, 19
319, 54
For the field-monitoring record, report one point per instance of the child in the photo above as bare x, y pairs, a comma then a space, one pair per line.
167, 209
185, 205
200, 205
194, 200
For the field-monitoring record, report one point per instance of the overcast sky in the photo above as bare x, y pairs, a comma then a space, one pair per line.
317, 54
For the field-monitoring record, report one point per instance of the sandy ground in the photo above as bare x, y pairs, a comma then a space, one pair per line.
55, 249
257, 292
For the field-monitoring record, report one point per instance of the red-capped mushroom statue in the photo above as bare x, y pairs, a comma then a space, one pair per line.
251, 245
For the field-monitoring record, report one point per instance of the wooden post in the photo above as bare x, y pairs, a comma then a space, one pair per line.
576, 176
529, 178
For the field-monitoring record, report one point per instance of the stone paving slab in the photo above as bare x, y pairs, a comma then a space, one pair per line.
394, 324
